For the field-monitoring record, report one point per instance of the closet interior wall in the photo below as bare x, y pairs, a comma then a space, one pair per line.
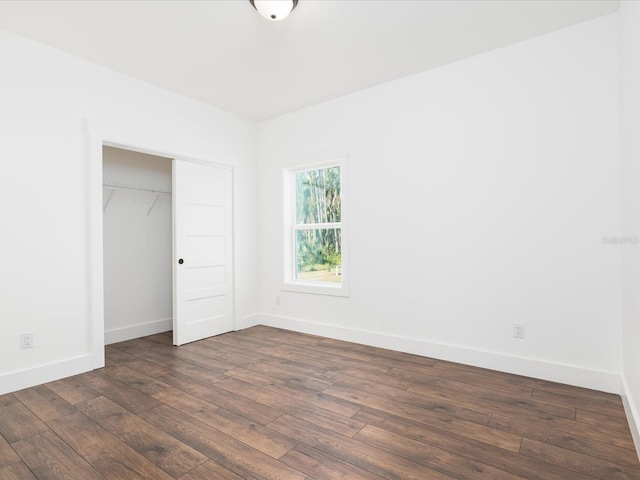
138, 280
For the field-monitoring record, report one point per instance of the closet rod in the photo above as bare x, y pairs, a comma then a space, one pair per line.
119, 186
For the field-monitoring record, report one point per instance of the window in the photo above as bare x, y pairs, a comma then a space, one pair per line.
314, 250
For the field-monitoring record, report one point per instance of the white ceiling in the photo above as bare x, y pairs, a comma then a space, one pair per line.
223, 53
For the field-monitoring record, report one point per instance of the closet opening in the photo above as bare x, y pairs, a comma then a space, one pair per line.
137, 244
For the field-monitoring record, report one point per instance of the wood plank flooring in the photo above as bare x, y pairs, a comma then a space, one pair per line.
265, 403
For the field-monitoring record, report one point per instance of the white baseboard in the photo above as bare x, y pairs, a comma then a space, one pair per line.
555, 372
136, 331
248, 322
631, 409
14, 381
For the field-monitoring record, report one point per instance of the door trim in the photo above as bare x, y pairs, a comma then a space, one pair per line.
142, 140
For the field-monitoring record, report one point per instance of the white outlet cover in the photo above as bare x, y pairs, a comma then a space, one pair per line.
518, 330
26, 340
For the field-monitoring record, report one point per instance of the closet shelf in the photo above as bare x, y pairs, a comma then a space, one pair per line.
118, 186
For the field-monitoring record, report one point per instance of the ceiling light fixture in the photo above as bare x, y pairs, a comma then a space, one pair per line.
274, 10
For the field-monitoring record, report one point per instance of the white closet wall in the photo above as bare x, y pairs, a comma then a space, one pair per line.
138, 280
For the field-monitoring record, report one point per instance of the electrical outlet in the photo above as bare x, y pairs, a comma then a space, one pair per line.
277, 299
26, 340
518, 330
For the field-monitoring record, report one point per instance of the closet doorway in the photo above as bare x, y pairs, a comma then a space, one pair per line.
166, 247
137, 244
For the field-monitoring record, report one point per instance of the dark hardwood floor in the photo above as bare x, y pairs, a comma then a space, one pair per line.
265, 403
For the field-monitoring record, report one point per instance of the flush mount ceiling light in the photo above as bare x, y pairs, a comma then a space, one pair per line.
274, 10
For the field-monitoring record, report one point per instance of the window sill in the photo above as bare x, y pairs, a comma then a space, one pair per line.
317, 288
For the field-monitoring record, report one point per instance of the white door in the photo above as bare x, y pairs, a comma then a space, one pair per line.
202, 290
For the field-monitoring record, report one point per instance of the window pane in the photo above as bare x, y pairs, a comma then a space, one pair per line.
318, 196
319, 255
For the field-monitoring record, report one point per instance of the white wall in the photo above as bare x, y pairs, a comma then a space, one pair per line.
629, 18
480, 193
138, 248
45, 98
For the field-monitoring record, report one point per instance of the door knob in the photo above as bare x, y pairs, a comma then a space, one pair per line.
181, 261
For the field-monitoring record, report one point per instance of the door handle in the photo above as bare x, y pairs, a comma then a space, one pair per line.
181, 261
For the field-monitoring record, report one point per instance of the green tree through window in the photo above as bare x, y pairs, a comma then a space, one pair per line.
317, 229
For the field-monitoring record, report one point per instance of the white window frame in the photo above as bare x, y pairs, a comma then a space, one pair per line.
291, 283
